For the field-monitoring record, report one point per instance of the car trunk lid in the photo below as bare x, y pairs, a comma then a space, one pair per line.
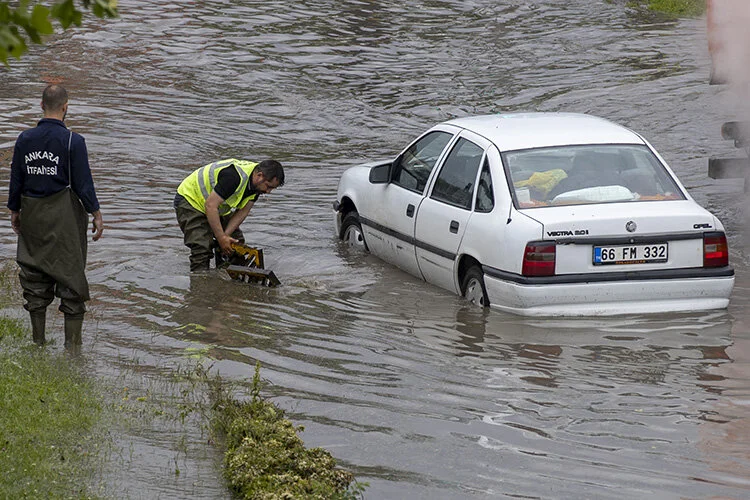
631, 236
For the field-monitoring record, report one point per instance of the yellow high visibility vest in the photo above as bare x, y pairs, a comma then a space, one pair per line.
197, 186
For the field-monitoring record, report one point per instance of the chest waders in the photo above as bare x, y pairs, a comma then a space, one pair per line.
51, 254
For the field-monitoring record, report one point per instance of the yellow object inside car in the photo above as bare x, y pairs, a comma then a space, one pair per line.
543, 182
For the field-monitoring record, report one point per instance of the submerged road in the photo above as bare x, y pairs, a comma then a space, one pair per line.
416, 393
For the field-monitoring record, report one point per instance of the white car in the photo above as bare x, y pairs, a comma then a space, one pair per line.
540, 214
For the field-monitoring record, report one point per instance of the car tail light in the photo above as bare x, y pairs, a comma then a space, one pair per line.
539, 259
715, 250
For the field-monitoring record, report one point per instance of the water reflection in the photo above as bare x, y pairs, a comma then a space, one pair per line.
207, 312
725, 431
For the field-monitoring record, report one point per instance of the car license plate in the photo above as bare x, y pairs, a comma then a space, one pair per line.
630, 254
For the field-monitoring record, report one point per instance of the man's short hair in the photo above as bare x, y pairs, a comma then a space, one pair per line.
271, 169
54, 98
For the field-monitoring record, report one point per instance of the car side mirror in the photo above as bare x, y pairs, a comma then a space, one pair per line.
381, 174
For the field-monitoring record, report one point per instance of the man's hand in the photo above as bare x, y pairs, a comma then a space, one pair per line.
225, 242
214, 220
97, 226
15, 221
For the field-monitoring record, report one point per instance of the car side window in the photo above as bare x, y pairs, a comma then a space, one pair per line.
414, 166
485, 197
455, 183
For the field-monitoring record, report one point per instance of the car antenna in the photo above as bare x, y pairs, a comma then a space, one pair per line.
510, 209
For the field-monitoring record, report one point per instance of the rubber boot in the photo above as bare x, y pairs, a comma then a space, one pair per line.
38, 323
73, 327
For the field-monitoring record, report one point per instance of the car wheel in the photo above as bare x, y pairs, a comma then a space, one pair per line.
473, 287
351, 231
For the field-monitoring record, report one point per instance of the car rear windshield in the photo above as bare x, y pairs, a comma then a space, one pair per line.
574, 175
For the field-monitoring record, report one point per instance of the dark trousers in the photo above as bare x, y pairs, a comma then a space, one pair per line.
198, 236
40, 289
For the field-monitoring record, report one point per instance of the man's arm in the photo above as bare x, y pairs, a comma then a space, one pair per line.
212, 214
83, 184
15, 189
238, 217
80, 171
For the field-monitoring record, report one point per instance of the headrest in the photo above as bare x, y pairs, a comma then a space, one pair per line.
597, 161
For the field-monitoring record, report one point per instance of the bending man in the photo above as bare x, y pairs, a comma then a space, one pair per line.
51, 191
212, 202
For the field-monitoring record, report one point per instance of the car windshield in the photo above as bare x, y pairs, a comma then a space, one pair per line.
574, 175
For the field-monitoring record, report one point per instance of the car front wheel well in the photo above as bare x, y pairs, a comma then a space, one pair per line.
351, 230
346, 206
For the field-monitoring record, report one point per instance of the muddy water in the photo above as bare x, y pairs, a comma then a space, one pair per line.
416, 393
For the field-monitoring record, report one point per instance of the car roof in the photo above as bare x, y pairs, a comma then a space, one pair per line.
538, 130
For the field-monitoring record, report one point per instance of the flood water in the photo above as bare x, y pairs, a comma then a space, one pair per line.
417, 393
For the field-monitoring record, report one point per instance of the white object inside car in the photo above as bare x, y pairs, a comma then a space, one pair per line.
598, 194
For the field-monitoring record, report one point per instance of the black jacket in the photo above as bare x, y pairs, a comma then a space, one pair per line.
40, 165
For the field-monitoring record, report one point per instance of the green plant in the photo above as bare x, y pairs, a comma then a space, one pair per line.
30, 21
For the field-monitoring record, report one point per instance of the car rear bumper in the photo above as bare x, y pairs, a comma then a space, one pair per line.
606, 298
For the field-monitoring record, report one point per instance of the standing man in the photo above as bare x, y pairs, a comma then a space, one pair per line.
212, 202
51, 191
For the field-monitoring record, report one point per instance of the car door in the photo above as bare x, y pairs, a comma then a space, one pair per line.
389, 228
443, 215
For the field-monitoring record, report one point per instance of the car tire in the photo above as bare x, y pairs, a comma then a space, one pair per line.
472, 287
351, 231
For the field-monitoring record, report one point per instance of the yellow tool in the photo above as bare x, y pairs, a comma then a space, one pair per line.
246, 264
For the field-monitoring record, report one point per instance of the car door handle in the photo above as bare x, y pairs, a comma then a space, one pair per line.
454, 226
410, 210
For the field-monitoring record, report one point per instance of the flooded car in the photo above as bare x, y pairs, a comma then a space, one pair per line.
540, 214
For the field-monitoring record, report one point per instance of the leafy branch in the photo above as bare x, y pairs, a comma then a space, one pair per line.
28, 21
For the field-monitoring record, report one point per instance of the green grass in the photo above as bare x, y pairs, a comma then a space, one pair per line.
265, 457
678, 8
48, 411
